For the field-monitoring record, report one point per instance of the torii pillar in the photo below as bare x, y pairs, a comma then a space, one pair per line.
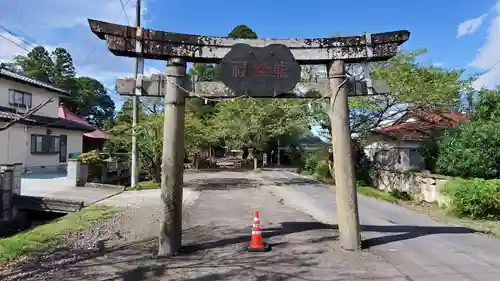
333, 52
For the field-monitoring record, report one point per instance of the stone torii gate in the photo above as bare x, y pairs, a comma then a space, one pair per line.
178, 49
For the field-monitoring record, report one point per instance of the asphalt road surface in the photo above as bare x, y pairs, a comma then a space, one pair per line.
418, 247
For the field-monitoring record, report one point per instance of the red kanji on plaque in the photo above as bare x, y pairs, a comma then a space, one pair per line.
240, 69
279, 70
260, 69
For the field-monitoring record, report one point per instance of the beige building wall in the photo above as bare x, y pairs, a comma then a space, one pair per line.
15, 142
15, 145
38, 96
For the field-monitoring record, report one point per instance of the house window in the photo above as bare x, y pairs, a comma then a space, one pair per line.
18, 98
45, 144
415, 158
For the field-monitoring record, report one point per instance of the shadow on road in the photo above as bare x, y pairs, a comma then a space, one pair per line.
212, 259
406, 232
297, 181
286, 228
209, 253
222, 184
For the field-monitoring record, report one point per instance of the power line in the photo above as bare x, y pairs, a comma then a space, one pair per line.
8, 39
491, 67
24, 35
119, 15
125, 12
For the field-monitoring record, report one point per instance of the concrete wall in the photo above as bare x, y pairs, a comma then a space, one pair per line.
16, 146
421, 186
38, 96
396, 155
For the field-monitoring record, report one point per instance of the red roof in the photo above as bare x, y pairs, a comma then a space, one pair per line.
64, 113
423, 126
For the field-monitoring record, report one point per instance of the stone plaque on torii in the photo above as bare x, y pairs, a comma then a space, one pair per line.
178, 49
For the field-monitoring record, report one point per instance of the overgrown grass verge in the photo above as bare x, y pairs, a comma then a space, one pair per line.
143, 185
379, 194
51, 234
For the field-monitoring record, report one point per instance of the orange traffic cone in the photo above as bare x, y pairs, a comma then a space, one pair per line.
256, 244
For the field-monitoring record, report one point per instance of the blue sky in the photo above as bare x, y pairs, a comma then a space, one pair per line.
458, 33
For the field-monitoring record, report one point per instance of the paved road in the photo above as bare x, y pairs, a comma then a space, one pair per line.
417, 246
217, 228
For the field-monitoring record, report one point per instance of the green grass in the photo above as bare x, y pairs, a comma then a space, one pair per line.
379, 194
51, 234
145, 185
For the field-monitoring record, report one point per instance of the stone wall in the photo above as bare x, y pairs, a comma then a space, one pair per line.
10, 186
422, 186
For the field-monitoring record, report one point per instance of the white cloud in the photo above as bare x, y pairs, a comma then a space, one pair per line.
488, 55
64, 24
470, 26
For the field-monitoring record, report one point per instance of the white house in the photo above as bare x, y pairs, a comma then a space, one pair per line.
43, 140
398, 146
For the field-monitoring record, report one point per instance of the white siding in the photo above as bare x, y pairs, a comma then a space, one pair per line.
15, 145
38, 96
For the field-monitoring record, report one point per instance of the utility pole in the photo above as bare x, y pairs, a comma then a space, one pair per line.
139, 71
345, 179
173, 160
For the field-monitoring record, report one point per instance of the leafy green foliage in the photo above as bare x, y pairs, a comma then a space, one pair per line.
322, 170
253, 123
475, 198
94, 161
488, 106
89, 98
470, 150
37, 64
421, 85
242, 31
411, 84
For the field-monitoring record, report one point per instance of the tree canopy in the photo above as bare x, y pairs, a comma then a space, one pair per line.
89, 98
412, 84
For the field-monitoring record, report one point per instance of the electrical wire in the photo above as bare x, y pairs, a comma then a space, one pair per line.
18, 37
119, 15
11, 41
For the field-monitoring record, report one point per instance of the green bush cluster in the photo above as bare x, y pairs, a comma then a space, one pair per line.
317, 163
476, 198
468, 151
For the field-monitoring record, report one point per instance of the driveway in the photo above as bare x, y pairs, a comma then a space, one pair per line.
417, 246
40, 184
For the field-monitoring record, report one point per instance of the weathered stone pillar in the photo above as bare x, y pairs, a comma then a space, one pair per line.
345, 179
173, 160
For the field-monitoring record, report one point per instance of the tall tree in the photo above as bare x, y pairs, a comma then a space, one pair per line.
254, 123
37, 64
242, 31
487, 107
64, 70
92, 101
412, 84
89, 98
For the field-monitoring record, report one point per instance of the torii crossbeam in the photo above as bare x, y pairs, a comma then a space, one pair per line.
181, 48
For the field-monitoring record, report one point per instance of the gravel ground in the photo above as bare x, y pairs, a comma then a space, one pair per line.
138, 221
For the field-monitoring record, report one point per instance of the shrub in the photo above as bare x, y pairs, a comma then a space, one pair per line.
322, 170
475, 198
94, 161
469, 151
